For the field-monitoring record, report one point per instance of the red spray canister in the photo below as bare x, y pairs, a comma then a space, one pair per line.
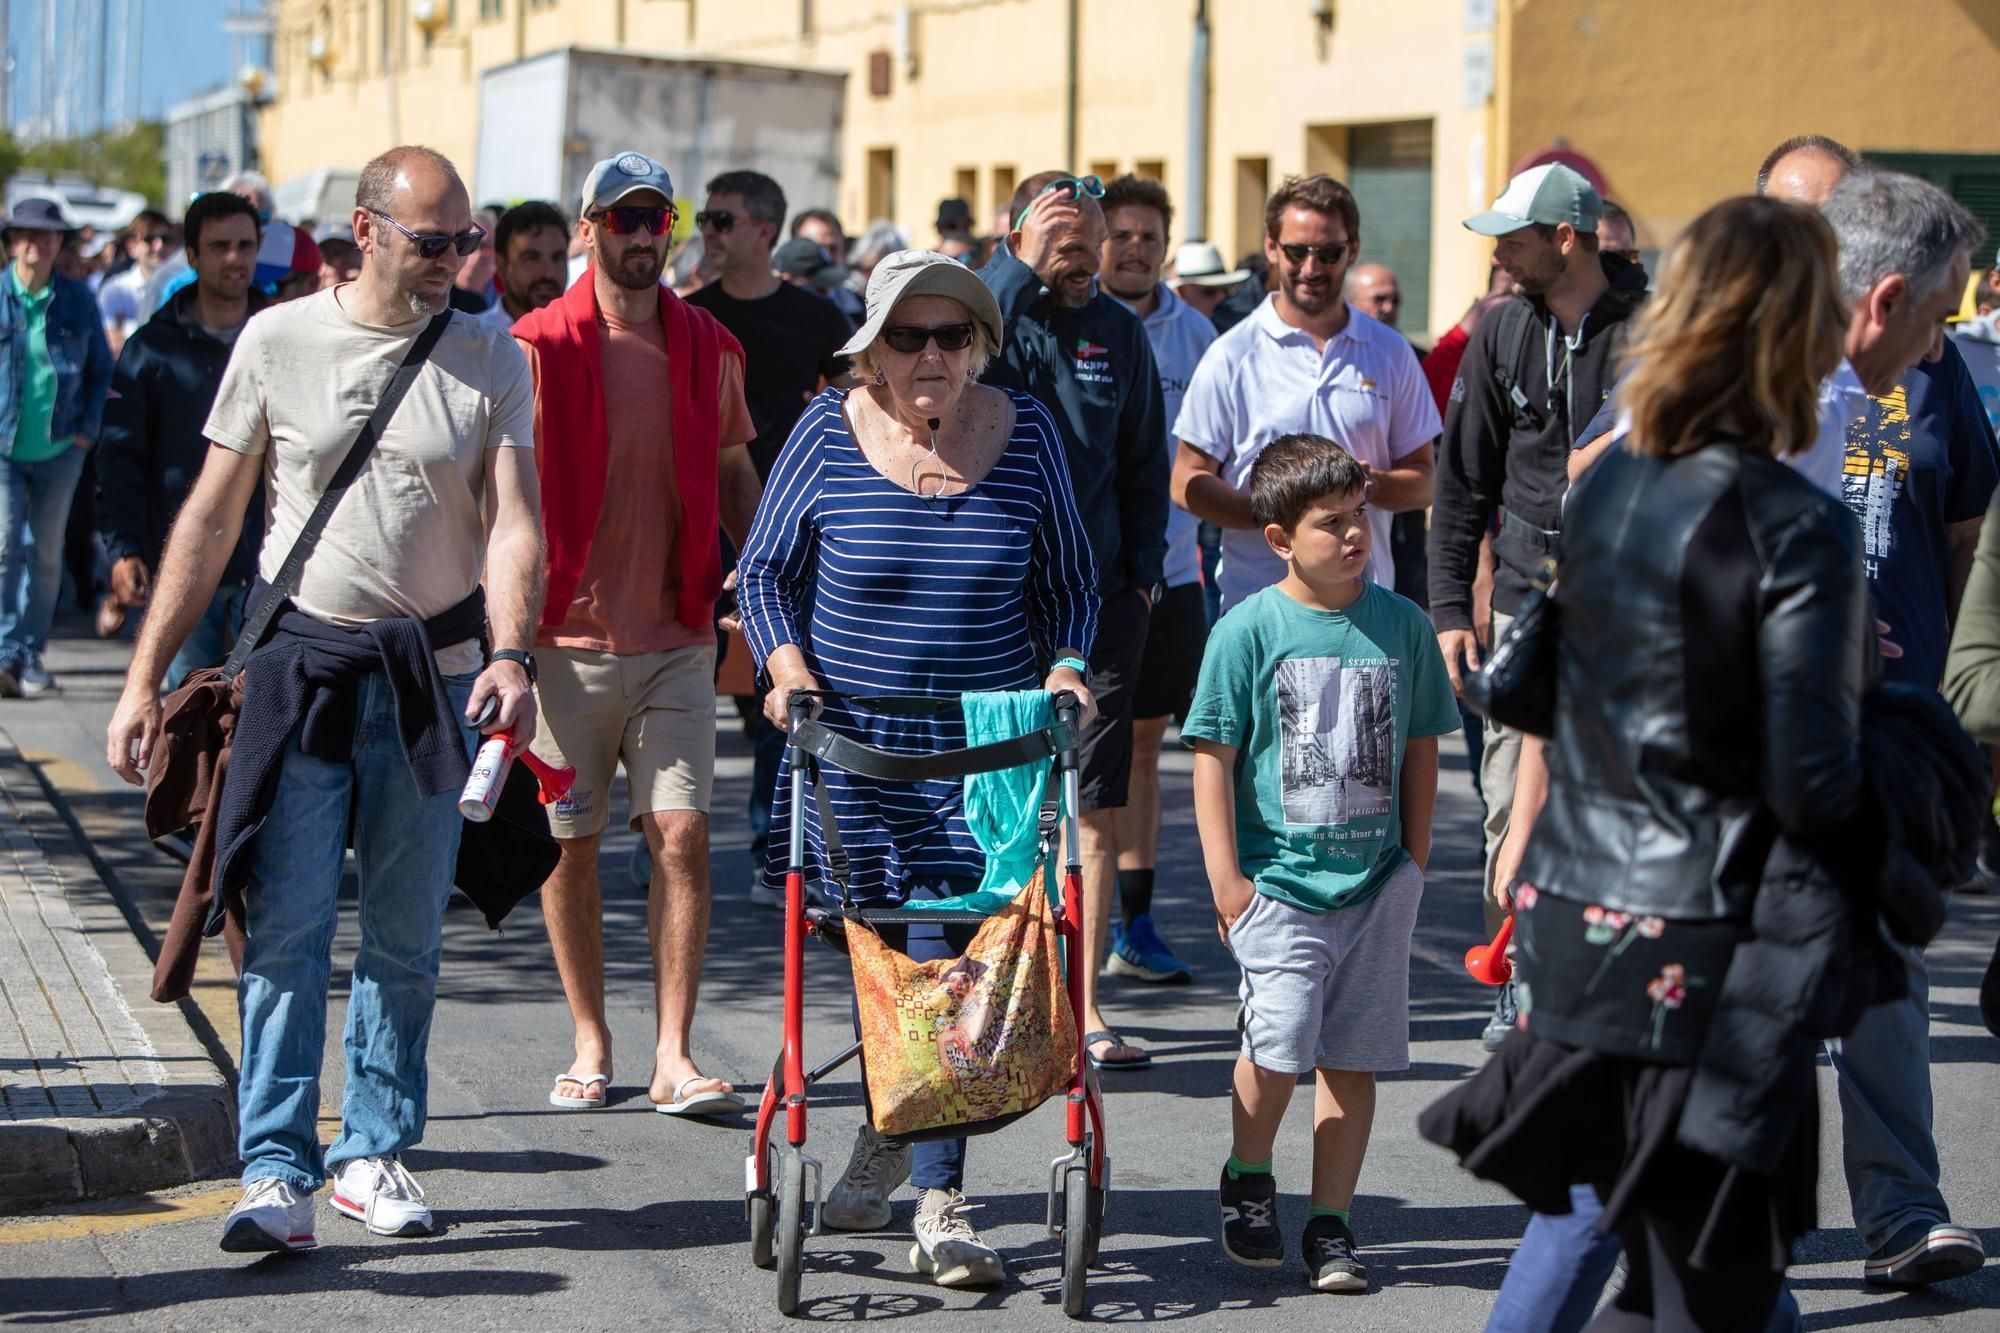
488, 778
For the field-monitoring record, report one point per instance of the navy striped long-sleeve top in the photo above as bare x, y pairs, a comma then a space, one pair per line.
888, 593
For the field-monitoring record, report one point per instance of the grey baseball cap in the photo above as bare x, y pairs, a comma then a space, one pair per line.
1545, 196
923, 273
622, 174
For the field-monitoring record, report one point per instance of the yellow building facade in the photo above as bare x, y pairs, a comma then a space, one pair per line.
1423, 106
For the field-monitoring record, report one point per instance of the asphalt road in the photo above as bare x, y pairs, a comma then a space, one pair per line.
623, 1218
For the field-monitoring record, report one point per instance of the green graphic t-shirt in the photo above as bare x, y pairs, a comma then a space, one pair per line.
1319, 705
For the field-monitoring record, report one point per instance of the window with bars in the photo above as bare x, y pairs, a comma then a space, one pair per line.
1971, 178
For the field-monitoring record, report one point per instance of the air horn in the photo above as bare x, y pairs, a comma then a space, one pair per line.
1488, 962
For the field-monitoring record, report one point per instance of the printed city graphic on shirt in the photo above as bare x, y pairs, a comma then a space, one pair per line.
1875, 470
1337, 730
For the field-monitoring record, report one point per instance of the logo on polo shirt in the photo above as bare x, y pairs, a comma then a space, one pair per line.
1092, 363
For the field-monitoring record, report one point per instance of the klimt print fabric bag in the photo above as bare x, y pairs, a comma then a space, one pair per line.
965, 1045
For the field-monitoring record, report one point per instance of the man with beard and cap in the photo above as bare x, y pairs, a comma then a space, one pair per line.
1086, 358
1535, 369
355, 723
161, 393
1139, 215
633, 382
530, 260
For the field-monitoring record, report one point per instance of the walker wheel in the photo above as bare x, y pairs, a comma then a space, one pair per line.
791, 1227
1079, 1238
763, 1220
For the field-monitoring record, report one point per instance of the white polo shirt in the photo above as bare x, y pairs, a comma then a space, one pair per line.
1264, 379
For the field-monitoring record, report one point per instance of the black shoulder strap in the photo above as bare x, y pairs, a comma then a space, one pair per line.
350, 467
1510, 343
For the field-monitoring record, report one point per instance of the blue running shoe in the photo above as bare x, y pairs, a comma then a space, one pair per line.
1137, 951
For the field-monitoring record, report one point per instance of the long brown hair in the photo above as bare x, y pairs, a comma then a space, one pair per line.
1747, 322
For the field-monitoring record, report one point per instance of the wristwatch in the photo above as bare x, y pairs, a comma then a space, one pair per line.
525, 659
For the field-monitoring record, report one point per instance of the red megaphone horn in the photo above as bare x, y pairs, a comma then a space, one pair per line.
1488, 962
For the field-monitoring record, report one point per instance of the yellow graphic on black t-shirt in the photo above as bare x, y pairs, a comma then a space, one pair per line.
1875, 470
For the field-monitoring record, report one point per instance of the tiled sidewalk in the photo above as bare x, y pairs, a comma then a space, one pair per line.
101, 1091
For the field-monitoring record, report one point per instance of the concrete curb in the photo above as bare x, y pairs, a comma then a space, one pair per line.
178, 1129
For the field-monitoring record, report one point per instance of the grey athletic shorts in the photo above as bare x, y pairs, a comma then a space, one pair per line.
1331, 991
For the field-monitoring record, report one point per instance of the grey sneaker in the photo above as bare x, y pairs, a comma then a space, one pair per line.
764, 896
35, 679
860, 1200
273, 1216
1502, 1022
947, 1247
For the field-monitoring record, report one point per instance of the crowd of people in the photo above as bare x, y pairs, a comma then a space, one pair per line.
1752, 487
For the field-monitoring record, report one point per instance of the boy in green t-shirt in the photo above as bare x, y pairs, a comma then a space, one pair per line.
1315, 729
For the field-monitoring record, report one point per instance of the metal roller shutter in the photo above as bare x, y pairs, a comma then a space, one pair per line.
1391, 180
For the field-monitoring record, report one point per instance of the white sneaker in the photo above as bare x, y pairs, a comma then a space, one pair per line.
860, 1201
764, 896
948, 1248
380, 1192
274, 1215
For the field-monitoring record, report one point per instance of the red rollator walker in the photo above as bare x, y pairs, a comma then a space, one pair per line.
777, 1171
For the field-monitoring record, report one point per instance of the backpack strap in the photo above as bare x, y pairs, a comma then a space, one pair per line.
1510, 345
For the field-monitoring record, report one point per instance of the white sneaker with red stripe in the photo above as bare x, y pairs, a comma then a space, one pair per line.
381, 1193
274, 1215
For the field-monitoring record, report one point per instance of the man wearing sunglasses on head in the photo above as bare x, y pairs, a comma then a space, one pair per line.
1085, 356
357, 705
1305, 361
641, 431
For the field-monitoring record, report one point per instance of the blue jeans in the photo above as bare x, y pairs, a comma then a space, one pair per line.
1883, 1072
34, 514
1558, 1272
405, 850
767, 749
212, 636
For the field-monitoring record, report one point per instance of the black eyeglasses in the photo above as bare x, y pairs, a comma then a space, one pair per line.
1325, 254
631, 220
721, 219
914, 337
160, 238
433, 244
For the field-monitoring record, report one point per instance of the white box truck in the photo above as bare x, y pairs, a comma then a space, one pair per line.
544, 121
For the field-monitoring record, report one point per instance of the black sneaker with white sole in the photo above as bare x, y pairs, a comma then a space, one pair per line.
1329, 1251
1922, 1253
1250, 1232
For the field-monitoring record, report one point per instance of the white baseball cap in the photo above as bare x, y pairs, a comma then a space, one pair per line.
1541, 196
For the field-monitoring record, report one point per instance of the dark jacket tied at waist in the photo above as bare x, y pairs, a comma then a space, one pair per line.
302, 677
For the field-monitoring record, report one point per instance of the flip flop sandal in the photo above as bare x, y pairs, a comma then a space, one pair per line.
702, 1103
581, 1103
1091, 1039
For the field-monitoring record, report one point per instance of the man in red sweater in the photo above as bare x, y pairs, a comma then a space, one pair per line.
632, 382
